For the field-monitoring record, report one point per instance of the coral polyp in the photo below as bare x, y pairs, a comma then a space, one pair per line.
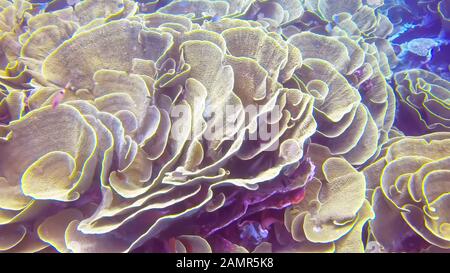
224, 126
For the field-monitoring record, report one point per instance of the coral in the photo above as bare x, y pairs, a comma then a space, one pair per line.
222, 126
410, 198
119, 124
334, 210
12, 18
348, 78
421, 34
424, 102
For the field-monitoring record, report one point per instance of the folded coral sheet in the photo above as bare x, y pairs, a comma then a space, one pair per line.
224, 126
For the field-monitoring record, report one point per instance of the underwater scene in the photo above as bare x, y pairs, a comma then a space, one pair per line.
224, 126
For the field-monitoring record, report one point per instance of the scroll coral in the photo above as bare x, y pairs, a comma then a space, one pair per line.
411, 194
424, 101
215, 126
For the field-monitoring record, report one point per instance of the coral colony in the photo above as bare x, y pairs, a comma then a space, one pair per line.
224, 126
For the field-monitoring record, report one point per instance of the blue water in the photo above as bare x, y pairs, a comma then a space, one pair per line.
419, 37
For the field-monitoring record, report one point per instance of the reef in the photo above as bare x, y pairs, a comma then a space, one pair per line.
224, 126
421, 34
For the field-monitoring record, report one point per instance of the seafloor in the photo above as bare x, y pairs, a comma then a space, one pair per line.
224, 126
